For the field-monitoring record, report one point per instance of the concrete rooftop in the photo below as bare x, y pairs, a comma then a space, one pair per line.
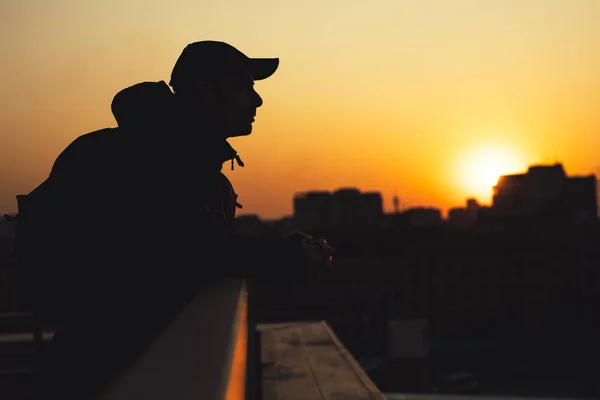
306, 361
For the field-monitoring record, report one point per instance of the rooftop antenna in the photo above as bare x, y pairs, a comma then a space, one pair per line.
396, 201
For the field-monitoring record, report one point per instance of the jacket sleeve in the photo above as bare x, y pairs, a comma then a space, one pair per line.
224, 253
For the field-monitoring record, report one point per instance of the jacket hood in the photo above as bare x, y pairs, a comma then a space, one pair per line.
146, 107
145, 104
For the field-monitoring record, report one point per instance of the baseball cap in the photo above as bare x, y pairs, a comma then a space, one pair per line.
211, 59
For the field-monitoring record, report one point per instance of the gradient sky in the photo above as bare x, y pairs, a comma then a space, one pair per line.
429, 100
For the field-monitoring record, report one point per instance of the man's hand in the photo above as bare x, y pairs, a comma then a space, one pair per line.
319, 252
319, 255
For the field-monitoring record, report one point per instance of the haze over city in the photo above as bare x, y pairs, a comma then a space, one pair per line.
429, 100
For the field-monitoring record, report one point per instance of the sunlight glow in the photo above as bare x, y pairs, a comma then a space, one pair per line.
385, 96
481, 167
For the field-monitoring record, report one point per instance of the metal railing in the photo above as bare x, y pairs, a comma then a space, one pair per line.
210, 351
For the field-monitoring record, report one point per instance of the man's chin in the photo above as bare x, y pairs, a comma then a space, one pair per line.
242, 131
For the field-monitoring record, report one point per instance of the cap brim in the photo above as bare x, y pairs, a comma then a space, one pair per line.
262, 68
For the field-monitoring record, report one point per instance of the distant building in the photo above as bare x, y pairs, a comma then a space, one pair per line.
545, 191
314, 209
248, 224
344, 207
372, 204
464, 216
423, 216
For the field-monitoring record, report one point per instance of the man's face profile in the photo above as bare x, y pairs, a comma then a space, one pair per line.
238, 101
233, 101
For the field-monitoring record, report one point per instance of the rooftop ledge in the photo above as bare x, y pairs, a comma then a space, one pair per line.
306, 360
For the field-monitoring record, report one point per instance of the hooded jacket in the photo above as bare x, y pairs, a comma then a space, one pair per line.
158, 166
140, 223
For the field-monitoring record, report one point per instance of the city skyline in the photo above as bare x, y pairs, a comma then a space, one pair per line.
427, 100
395, 203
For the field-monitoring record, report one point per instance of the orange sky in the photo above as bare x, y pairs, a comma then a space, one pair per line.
427, 99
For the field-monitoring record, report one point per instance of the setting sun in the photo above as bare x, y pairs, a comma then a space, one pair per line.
481, 167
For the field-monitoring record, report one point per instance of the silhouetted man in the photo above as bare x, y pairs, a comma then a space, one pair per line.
137, 218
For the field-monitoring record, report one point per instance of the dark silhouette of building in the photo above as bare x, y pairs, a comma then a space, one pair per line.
342, 208
544, 191
423, 216
314, 208
464, 216
249, 224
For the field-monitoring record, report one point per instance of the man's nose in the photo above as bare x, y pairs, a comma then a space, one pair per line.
257, 100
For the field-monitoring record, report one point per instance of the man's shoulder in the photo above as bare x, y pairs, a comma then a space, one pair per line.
97, 136
89, 149
93, 142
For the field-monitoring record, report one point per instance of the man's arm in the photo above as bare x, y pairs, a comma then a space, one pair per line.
120, 211
218, 252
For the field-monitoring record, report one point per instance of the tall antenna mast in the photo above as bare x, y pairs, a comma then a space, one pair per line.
396, 201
